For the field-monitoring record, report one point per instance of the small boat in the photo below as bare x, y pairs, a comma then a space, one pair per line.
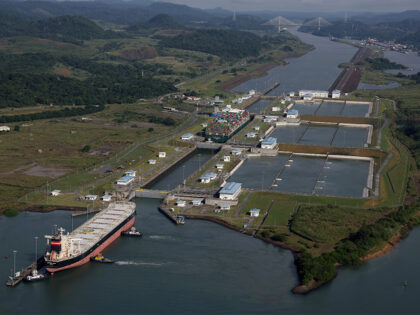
274, 185
132, 232
35, 276
279, 179
180, 219
287, 165
100, 258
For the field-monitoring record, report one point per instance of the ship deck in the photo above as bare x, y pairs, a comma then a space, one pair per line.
93, 230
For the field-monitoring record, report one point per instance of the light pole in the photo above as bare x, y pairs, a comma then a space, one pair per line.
36, 248
14, 263
183, 174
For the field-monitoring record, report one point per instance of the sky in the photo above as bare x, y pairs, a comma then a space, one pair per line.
306, 5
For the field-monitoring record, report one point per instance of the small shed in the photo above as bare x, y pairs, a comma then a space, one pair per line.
125, 180
197, 202
187, 136
106, 198
131, 173
225, 207
257, 128
5, 128
236, 151
91, 197
226, 158
152, 162
181, 203
254, 212
162, 154
55, 192
251, 135
275, 109
219, 166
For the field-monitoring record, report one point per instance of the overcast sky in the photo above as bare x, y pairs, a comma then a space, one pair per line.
306, 5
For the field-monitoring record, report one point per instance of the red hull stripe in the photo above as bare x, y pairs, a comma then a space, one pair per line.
55, 243
104, 245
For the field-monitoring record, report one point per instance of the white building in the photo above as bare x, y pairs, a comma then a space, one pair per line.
275, 109
5, 128
292, 93
226, 158
204, 125
125, 180
181, 203
270, 119
308, 97
230, 191
219, 166
208, 177
131, 173
197, 202
225, 207
251, 135
292, 113
55, 192
152, 162
236, 152
254, 212
187, 136
269, 143
107, 198
91, 197
336, 94
251, 92
162, 154
315, 93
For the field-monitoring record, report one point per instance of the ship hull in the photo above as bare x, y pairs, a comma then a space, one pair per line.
94, 250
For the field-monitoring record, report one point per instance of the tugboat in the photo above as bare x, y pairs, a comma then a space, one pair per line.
35, 276
132, 232
100, 258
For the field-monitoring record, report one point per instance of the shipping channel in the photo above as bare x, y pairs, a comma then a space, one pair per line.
203, 267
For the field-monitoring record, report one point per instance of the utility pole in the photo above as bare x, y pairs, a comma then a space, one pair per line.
36, 248
14, 263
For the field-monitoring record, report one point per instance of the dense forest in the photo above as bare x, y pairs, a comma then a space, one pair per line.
404, 32
224, 43
72, 29
27, 80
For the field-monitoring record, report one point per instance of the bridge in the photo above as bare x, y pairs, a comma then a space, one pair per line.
151, 193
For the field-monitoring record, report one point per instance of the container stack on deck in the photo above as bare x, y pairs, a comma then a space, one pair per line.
221, 128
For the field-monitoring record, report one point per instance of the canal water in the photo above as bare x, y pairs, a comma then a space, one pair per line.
326, 135
259, 106
317, 70
304, 175
411, 60
200, 267
336, 109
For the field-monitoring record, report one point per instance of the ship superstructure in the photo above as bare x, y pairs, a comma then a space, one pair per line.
68, 250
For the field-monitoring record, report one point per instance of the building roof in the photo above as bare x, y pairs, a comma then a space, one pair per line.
197, 200
336, 91
230, 188
56, 191
236, 150
125, 179
293, 112
269, 141
255, 210
209, 175
130, 172
91, 196
180, 202
187, 135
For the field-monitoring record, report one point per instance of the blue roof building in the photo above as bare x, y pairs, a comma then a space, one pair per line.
125, 180
269, 143
230, 191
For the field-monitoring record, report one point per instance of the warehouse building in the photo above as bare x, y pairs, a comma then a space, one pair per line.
230, 191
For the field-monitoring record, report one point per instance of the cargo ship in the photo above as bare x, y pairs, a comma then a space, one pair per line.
69, 250
226, 125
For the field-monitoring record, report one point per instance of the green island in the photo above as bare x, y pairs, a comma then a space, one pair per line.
85, 107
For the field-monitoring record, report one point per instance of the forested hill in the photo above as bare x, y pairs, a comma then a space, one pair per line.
160, 21
223, 43
29, 79
404, 32
64, 28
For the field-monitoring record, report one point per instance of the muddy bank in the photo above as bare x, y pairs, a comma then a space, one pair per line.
306, 288
261, 71
384, 250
